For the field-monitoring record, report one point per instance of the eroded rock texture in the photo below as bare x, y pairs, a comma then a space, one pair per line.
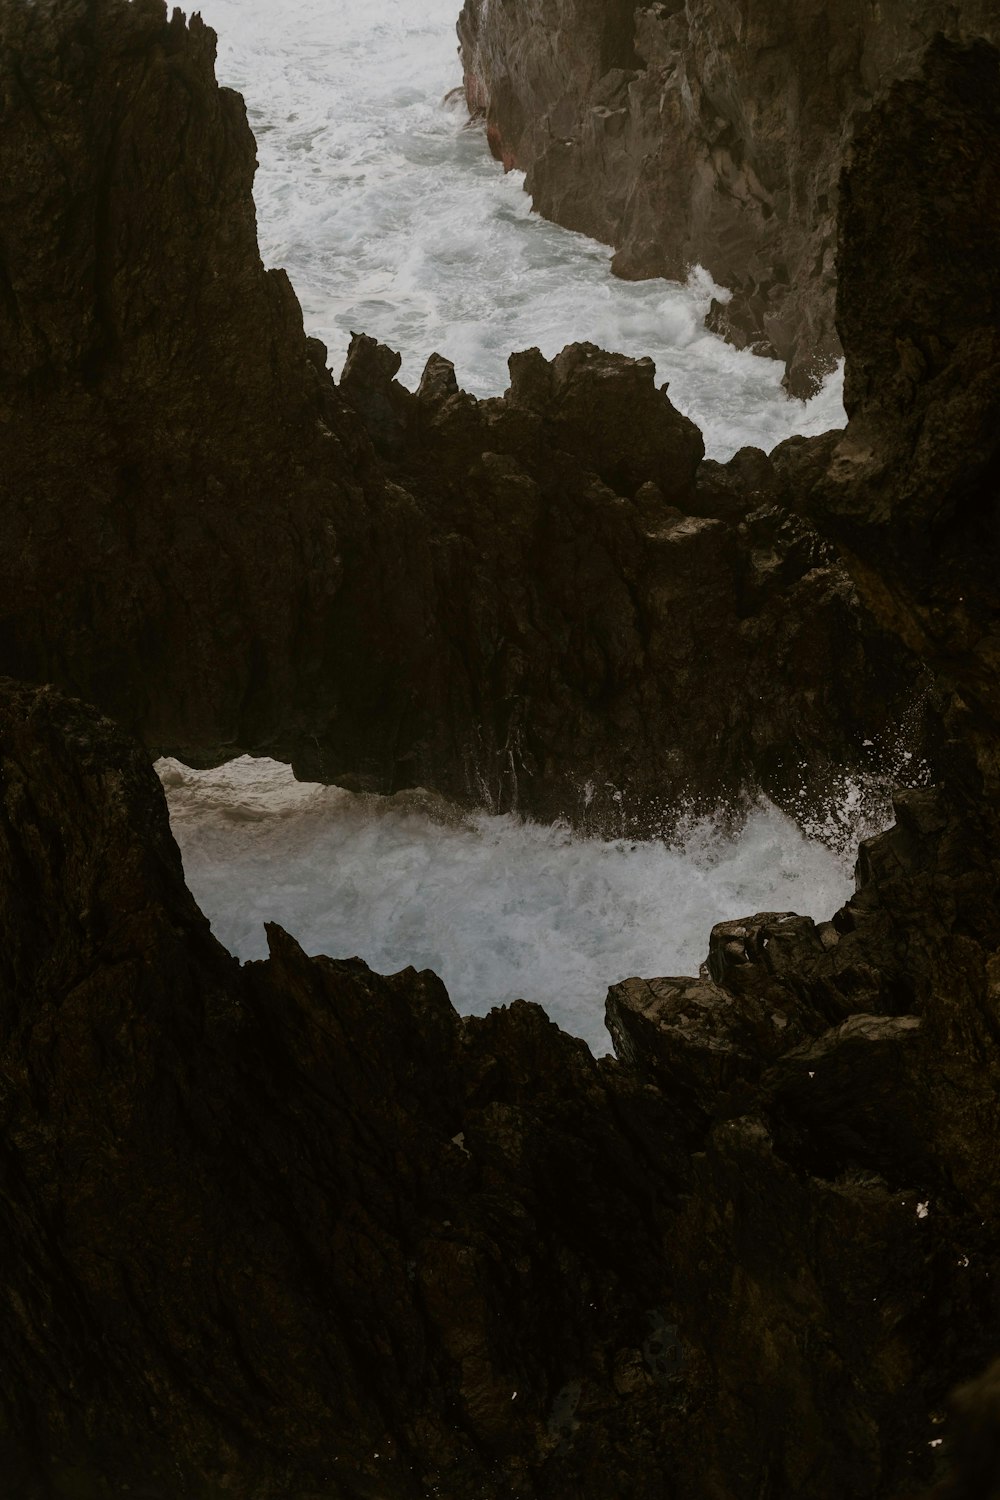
633, 628
701, 133
295, 1229
292, 1229
546, 601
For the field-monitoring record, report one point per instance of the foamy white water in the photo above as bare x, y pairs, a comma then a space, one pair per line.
500, 908
391, 218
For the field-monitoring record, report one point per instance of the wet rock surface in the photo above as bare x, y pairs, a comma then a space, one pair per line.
296, 1229
546, 601
702, 133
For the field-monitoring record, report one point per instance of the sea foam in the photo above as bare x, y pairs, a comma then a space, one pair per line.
500, 907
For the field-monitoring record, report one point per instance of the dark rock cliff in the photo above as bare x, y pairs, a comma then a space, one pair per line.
703, 133
292, 1229
297, 1230
170, 453
910, 488
626, 629
546, 601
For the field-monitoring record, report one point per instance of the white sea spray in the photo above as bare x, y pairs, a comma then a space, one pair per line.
500, 907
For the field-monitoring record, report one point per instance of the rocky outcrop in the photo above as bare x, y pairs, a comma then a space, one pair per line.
695, 132
292, 1229
545, 601
613, 627
910, 489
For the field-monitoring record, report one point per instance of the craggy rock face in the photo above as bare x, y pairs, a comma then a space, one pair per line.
701, 133
169, 451
546, 601
288, 1229
633, 629
911, 488
295, 1229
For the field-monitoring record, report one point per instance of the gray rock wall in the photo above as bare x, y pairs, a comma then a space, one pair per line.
702, 132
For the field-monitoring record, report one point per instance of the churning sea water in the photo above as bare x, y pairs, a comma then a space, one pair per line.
383, 204
499, 907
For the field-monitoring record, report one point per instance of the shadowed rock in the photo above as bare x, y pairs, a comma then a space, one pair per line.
299, 1229
292, 1227
634, 629
174, 462
911, 488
